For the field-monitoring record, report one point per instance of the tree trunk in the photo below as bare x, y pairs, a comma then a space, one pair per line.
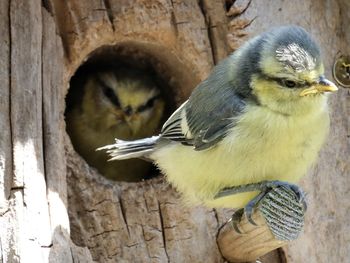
55, 208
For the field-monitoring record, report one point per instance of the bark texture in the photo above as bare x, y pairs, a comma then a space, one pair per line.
55, 208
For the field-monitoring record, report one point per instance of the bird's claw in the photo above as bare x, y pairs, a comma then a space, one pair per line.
236, 218
266, 187
248, 211
249, 208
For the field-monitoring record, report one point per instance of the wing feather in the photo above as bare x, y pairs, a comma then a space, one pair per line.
209, 113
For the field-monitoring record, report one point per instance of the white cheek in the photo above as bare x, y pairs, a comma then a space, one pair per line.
106, 102
102, 100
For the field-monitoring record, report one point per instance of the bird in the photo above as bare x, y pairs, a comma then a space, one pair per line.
257, 121
121, 102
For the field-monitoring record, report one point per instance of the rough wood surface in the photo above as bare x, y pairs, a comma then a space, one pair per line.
5, 138
26, 127
25, 216
217, 25
253, 242
41, 48
145, 222
53, 123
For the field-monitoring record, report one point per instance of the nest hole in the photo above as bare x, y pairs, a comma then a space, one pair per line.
125, 91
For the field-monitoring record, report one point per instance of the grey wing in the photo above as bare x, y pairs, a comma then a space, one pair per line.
209, 123
201, 125
210, 112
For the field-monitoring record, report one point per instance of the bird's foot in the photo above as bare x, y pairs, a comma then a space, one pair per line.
282, 205
264, 187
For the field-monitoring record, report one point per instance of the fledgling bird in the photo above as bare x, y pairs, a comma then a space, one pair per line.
123, 103
258, 120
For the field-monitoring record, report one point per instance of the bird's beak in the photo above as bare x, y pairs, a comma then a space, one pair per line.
134, 124
322, 85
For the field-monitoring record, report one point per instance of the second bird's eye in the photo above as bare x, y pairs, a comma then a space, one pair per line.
289, 83
149, 104
109, 93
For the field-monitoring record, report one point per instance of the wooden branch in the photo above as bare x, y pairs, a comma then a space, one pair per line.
254, 242
279, 218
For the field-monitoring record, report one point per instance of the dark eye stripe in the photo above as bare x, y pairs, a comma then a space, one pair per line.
108, 92
149, 104
283, 81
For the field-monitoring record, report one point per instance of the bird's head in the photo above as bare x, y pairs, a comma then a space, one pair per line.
126, 102
285, 71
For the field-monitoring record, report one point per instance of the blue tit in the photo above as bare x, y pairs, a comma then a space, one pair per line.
124, 103
260, 118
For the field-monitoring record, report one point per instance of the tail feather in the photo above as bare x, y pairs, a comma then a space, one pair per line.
122, 150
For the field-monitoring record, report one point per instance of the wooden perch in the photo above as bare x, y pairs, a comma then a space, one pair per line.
279, 218
254, 242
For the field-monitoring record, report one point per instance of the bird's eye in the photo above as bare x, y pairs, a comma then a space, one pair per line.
149, 104
109, 93
289, 83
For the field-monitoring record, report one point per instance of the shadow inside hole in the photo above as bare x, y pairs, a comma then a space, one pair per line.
119, 92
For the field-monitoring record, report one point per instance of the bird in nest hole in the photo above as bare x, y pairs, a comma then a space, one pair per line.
257, 122
118, 102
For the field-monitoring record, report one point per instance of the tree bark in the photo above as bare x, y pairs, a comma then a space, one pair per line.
55, 208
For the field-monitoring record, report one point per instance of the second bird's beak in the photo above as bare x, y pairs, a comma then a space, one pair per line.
322, 85
134, 124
